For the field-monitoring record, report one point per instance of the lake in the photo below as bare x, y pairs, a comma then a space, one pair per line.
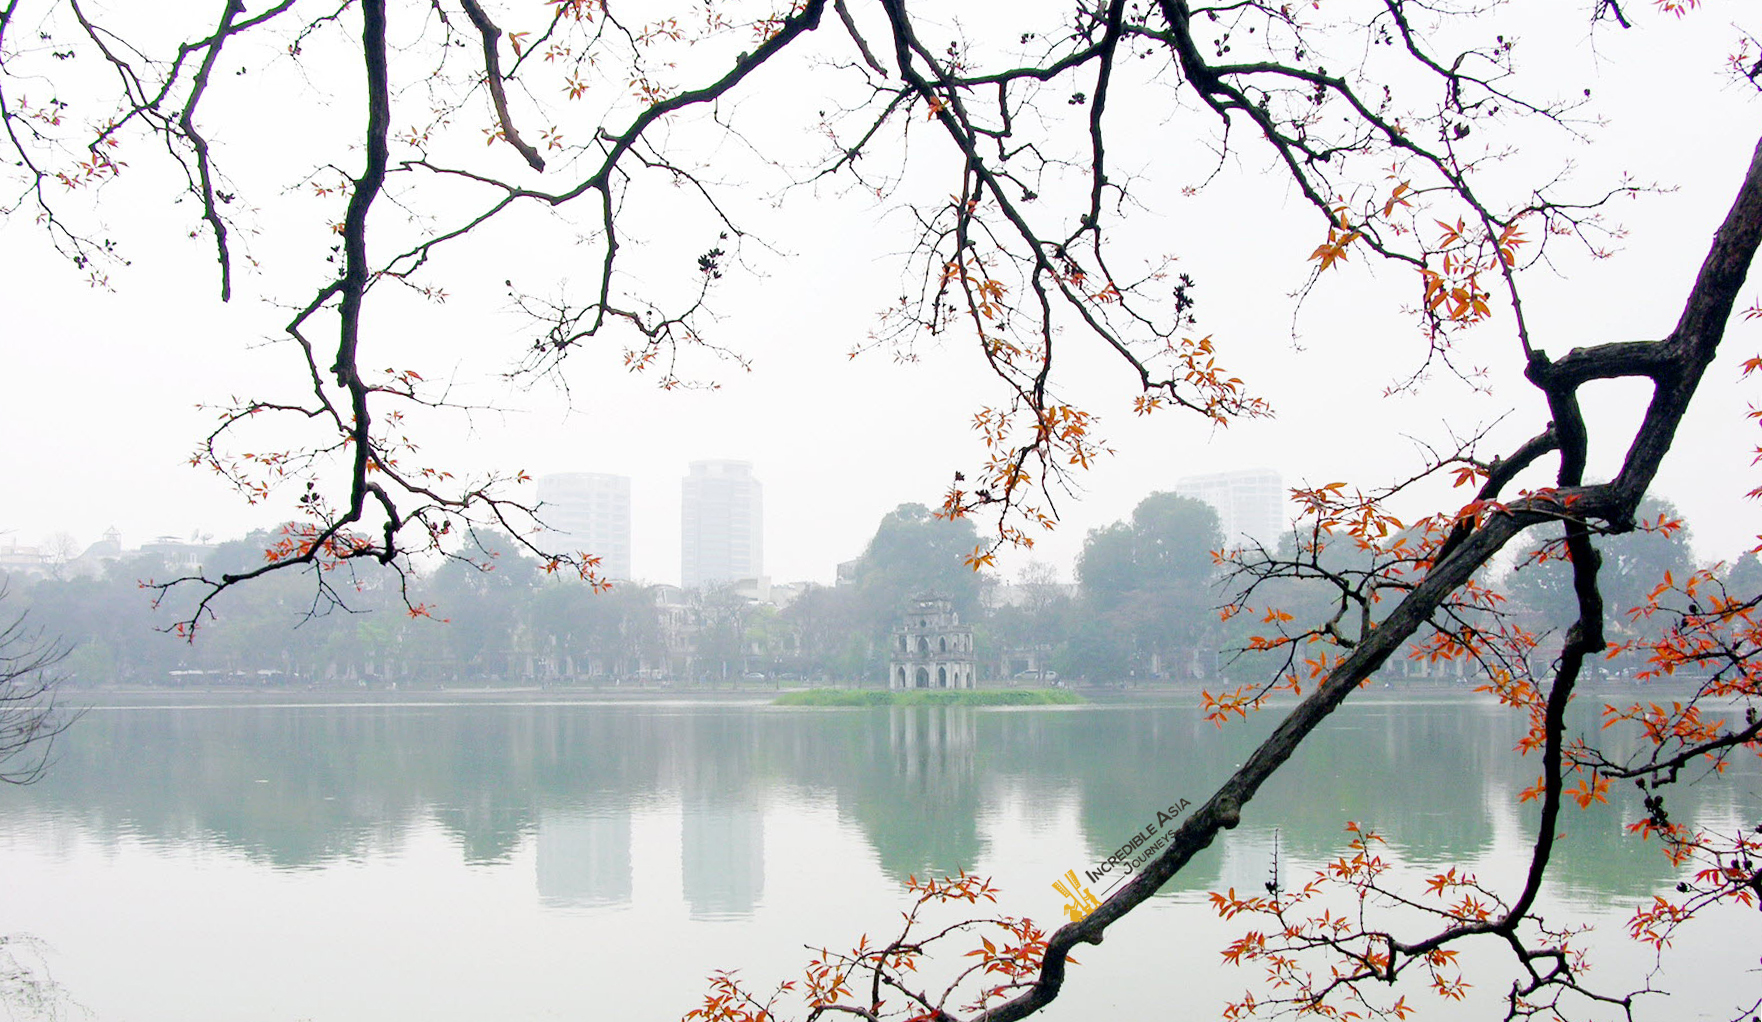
529, 859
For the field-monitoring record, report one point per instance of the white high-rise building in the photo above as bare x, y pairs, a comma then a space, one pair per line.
588, 512
722, 524
1250, 504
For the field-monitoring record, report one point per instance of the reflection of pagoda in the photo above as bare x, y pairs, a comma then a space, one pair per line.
931, 648
932, 746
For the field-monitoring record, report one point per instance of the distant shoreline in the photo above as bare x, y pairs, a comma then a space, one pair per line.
124, 697
861, 698
754, 694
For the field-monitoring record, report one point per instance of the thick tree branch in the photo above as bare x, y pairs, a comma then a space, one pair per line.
1733, 249
492, 72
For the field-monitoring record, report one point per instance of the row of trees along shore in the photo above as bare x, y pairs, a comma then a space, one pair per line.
1432, 184
1145, 608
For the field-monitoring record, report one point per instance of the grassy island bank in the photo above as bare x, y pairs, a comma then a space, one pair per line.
929, 697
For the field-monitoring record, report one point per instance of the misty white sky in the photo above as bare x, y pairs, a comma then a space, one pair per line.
99, 414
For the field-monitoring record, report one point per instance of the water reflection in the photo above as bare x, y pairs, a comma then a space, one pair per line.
380, 846
723, 859
584, 858
303, 787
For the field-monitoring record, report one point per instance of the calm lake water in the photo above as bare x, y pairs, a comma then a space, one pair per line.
516, 861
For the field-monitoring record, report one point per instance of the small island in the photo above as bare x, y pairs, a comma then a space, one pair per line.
929, 697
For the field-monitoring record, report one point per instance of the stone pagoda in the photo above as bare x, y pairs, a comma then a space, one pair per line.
931, 648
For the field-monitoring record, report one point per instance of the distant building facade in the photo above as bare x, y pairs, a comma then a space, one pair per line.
847, 572
588, 512
763, 592
1249, 504
931, 648
721, 524
59, 559
182, 557
23, 561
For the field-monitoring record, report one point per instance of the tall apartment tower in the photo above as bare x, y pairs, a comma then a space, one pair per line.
722, 524
1249, 504
588, 512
